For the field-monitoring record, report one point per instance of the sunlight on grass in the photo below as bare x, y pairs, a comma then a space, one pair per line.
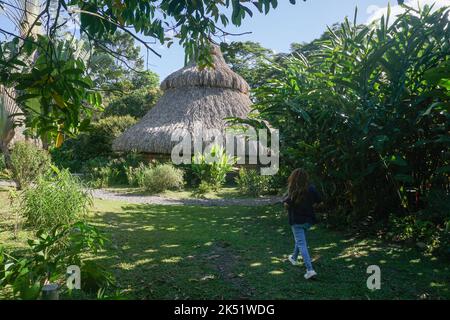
331, 246
437, 285
276, 272
170, 245
172, 260
143, 261
179, 252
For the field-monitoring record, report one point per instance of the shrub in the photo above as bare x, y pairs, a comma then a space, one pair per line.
113, 126
135, 175
162, 177
135, 104
105, 172
50, 253
54, 199
28, 162
4, 172
97, 142
422, 233
101, 177
213, 171
2, 162
202, 189
368, 118
250, 182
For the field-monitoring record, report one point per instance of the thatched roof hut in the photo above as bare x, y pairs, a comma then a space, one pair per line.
192, 97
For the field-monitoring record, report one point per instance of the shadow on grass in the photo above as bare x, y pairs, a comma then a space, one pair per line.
189, 252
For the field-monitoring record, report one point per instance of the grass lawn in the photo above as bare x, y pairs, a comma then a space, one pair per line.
186, 252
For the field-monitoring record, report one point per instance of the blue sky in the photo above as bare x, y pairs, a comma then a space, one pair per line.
286, 24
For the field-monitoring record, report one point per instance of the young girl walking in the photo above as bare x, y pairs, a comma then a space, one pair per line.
301, 197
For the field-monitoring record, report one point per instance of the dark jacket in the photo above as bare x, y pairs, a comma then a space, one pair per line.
303, 212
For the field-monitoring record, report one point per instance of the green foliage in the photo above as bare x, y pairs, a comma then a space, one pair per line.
249, 60
113, 126
161, 177
97, 142
54, 199
367, 115
49, 256
101, 176
56, 94
250, 182
135, 175
422, 233
204, 188
212, 168
135, 104
104, 171
195, 21
107, 71
2, 164
28, 162
57, 86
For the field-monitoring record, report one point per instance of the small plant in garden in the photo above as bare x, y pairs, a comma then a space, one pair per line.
49, 256
103, 172
213, 169
162, 177
135, 175
250, 182
3, 170
28, 162
54, 199
202, 189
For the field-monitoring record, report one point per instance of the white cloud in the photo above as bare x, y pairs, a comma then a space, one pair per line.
375, 12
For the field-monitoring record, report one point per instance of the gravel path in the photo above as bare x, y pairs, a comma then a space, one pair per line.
6, 183
146, 199
132, 198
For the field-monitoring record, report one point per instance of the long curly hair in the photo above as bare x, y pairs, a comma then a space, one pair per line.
298, 183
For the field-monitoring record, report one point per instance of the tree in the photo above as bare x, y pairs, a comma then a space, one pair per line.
135, 103
248, 59
110, 74
61, 96
57, 94
368, 116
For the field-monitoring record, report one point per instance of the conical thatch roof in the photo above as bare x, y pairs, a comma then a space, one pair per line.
193, 97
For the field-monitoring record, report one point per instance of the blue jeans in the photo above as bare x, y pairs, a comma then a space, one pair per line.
299, 231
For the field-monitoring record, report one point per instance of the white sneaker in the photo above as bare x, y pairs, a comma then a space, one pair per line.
292, 261
310, 274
